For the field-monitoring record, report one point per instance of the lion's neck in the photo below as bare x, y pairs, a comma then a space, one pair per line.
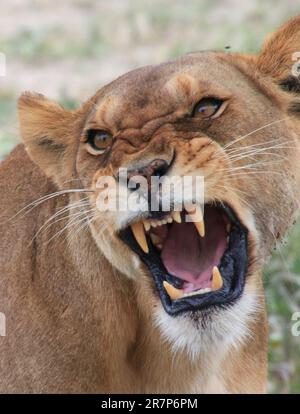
69, 309
137, 350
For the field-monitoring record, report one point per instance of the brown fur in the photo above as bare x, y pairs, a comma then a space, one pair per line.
79, 315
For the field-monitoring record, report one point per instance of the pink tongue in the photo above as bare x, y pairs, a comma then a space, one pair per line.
190, 257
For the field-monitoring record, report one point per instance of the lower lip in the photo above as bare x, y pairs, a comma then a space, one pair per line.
233, 270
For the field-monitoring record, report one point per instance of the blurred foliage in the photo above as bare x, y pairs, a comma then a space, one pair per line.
68, 49
282, 282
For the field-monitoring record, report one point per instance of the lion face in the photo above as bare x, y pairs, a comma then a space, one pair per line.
178, 128
218, 116
187, 123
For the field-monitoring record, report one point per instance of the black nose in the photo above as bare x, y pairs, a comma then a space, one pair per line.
156, 168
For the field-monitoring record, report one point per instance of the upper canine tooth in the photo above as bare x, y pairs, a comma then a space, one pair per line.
147, 225
197, 217
177, 216
217, 281
172, 291
140, 237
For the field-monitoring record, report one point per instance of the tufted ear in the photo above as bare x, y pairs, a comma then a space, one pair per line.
49, 133
280, 56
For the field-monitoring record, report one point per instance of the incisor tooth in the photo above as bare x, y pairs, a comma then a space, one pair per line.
172, 291
140, 237
177, 216
197, 217
217, 281
147, 225
198, 292
169, 219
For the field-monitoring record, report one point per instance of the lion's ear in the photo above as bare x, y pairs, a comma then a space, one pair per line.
280, 56
49, 134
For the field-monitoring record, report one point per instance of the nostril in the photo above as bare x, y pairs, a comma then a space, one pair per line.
160, 168
155, 168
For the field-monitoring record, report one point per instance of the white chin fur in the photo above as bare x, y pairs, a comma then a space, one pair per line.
225, 328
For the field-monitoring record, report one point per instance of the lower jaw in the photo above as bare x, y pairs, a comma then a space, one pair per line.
233, 267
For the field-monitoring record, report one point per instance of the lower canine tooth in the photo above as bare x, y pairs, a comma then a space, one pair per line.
139, 234
172, 291
217, 281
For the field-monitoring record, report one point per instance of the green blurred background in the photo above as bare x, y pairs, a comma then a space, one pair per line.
69, 49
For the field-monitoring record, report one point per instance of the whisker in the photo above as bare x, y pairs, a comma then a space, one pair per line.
232, 150
255, 165
253, 132
85, 223
251, 156
251, 167
49, 222
261, 151
71, 223
246, 173
45, 198
226, 187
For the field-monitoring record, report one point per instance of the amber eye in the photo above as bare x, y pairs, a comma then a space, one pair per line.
207, 108
99, 140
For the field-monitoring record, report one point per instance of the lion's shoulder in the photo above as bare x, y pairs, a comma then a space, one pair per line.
21, 181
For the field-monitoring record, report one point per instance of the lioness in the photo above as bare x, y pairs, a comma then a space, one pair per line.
147, 301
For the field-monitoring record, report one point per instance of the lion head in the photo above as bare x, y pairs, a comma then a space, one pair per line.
226, 117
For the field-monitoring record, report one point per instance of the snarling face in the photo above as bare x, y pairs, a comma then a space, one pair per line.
196, 254
220, 117
185, 123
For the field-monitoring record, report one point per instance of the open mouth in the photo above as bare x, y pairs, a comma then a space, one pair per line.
196, 260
